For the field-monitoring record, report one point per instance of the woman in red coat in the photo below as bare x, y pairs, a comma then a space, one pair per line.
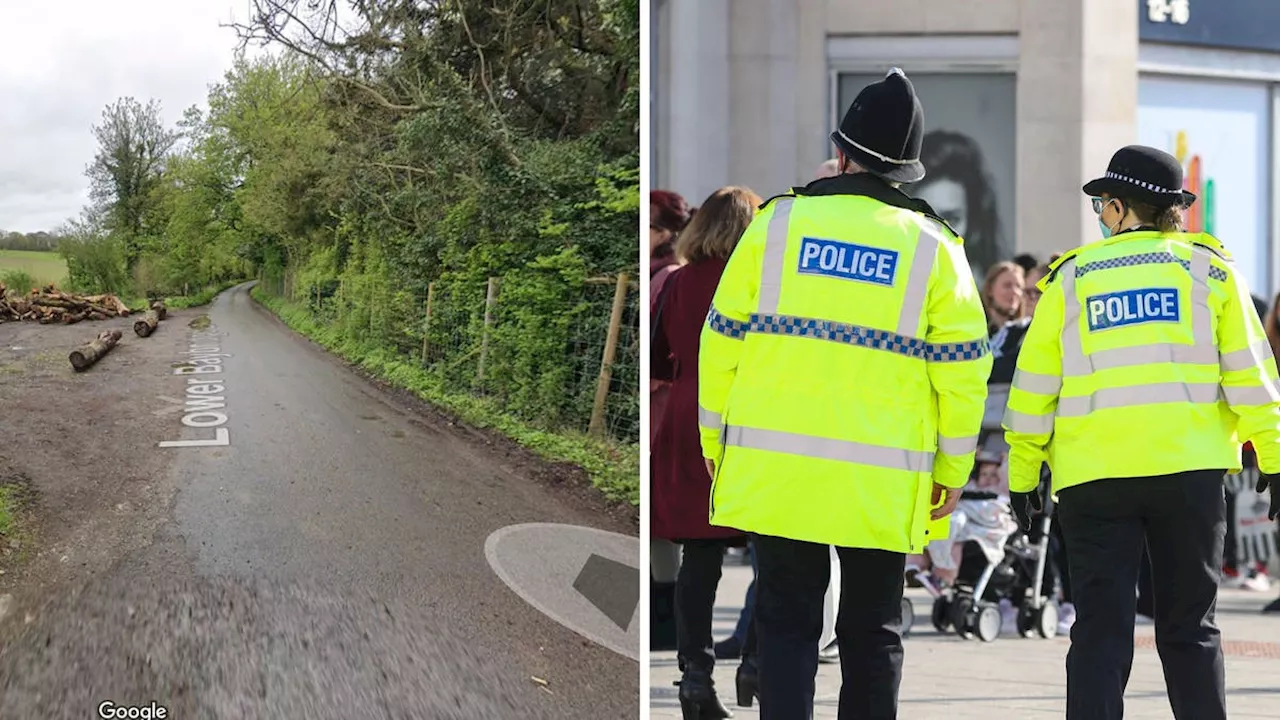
679, 501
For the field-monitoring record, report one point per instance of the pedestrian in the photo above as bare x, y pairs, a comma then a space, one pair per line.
842, 378
681, 485
1002, 295
669, 213
1144, 364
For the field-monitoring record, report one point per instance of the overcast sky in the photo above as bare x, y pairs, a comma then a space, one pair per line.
63, 61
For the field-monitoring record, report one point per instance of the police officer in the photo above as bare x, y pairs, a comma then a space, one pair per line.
842, 379
1145, 369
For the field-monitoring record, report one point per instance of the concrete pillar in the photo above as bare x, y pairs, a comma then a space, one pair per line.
1077, 103
762, 57
693, 89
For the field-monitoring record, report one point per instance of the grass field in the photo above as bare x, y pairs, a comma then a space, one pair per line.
43, 267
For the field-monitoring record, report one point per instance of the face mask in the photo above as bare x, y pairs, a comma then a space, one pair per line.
1106, 231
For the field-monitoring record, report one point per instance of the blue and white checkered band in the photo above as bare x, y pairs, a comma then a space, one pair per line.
1142, 184
772, 324
1152, 258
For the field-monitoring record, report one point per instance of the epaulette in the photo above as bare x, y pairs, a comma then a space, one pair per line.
1056, 265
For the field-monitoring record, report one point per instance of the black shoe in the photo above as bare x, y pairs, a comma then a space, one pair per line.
830, 653
1274, 607
747, 682
728, 649
698, 700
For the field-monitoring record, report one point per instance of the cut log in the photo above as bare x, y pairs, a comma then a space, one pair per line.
121, 309
89, 353
147, 325
160, 309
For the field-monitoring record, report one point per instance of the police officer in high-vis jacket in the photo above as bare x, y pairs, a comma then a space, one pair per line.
842, 382
1145, 369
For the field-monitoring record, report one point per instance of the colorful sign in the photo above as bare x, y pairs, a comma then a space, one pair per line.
1220, 131
1194, 180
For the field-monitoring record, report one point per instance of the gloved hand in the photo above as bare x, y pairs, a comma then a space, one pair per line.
1265, 481
1025, 507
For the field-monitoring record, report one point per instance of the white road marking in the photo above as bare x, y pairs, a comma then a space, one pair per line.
201, 407
540, 562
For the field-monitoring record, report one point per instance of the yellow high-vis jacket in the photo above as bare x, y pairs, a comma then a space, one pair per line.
842, 369
1145, 357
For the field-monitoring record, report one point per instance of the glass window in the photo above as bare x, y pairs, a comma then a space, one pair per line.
1220, 131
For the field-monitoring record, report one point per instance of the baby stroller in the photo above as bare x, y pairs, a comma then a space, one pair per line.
1013, 571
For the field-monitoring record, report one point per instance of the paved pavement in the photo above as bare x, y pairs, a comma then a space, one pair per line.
952, 679
327, 558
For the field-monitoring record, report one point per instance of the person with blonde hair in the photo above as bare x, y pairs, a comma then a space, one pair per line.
681, 487
1002, 294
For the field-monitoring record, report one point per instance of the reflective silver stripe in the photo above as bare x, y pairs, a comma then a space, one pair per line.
1037, 383
1151, 394
1246, 358
1180, 353
708, 419
775, 253
1074, 361
1027, 423
1252, 395
918, 279
1206, 347
957, 446
828, 449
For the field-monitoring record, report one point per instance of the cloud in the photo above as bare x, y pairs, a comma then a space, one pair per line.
64, 62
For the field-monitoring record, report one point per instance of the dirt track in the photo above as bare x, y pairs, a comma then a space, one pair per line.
83, 444
335, 498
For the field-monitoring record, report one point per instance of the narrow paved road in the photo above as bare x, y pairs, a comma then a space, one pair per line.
329, 561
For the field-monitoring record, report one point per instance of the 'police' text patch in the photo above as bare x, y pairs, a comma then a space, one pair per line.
1132, 307
847, 261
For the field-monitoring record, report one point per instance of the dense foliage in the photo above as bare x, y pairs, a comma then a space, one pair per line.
384, 147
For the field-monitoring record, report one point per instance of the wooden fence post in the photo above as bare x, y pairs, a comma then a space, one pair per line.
490, 297
426, 326
597, 428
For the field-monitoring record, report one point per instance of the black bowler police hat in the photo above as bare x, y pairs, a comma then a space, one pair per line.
1143, 174
883, 129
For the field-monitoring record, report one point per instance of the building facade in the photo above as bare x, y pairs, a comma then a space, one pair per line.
1025, 100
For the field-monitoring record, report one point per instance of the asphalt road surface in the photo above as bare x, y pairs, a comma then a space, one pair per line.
328, 560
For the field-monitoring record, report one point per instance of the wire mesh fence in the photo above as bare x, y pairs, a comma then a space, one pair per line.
562, 360
557, 354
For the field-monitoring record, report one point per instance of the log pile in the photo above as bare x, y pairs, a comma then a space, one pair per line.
50, 305
89, 353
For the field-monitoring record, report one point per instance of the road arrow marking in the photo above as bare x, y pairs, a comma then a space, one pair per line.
611, 586
584, 578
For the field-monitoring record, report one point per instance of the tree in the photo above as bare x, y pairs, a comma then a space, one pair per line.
133, 146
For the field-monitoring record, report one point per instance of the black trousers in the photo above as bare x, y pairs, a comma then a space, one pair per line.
700, 570
1058, 547
1181, 519
790, 586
